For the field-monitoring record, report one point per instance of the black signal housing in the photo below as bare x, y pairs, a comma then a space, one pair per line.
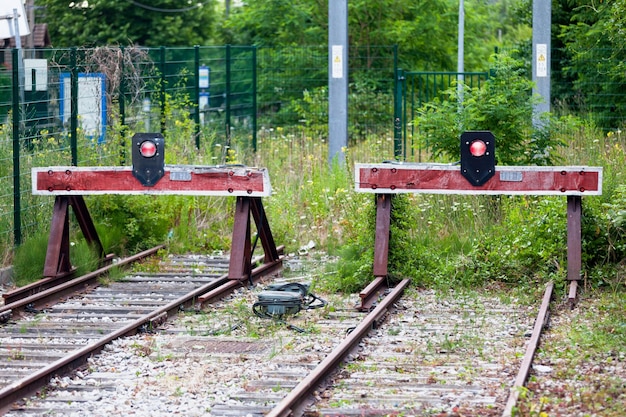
478, 156
148, 153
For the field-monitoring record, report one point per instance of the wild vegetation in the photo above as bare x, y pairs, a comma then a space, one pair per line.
438, 240
459, 237
513, 244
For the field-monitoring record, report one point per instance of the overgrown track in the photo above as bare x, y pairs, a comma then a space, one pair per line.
452, 356
38, 343
423, 354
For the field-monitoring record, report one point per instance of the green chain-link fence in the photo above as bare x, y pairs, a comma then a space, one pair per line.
67, 106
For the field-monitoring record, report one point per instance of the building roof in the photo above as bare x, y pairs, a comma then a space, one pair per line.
41, 38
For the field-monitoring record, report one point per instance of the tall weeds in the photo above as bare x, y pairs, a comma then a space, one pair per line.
444, 240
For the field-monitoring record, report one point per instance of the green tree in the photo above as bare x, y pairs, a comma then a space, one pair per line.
123, 22
412, 26
275, 23
591, 35
425, 31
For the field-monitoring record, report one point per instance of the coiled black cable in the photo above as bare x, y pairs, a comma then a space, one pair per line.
307, 301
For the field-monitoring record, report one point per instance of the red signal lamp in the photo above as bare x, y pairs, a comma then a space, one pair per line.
148, 149
478, 148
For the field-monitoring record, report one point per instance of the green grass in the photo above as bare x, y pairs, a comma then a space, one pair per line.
586, 351
29, 258
505, 245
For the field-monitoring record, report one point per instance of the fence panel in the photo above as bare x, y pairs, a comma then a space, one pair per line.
419, 87
293, 100
80, 106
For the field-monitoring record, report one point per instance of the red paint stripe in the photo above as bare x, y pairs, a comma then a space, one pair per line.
394, 179
121, 181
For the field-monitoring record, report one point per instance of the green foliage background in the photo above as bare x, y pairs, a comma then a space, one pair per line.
438, 240
112, 22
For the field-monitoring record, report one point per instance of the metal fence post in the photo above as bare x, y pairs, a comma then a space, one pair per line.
122, 99
122, 93
254, 103
227, 96
196, 116
74, 106
163, 81
397, 115
17, 206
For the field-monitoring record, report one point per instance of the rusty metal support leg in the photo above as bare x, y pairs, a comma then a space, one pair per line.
370, 294
57, 261
574, 244
263, 228
239, 267
383, 224
86, 223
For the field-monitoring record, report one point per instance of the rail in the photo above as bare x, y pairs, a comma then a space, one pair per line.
218, 287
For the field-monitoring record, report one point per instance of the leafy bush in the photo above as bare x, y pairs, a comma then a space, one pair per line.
604, 230
503, 105
528, 245
140, 221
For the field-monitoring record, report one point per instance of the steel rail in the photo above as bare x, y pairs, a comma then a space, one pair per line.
294, 401
30, 384
372, 292
527, 361
49, 282
40, 299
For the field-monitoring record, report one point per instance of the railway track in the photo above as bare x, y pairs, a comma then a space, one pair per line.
422, 354
44, 334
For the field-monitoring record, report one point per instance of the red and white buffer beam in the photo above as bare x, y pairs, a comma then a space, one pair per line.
70, 184
180, 180
386, 179
394, 178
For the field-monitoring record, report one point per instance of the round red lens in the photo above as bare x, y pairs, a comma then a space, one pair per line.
147, 149
478, 148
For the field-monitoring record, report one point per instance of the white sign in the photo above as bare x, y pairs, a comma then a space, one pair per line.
7, 21
91, 103
36, 72
337, 64
204, 73
542, 60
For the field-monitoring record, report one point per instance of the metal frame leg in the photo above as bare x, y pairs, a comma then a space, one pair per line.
57, 263
240, 265
574, 244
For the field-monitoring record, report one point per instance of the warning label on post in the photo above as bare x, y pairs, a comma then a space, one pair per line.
337, 65
542, 60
